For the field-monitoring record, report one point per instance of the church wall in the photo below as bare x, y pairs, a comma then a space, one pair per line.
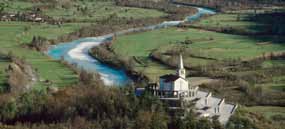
181, 84
161, 84
168, 86
165, 86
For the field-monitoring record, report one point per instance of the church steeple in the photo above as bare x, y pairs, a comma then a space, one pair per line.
181, 62
181, 71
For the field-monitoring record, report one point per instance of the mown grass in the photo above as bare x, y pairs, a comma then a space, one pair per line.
237, 21
273, 63
16, 6
154, 69
207, 44
268, 111
86, 11
13, 34
278, 82
99, 10
270, 22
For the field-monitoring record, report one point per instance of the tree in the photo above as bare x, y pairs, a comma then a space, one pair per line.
238, 17
151, 120
239, 122
204, 123
190, 121
85, 77
216, 123
4, 4
159, 121
143, 120
8, 110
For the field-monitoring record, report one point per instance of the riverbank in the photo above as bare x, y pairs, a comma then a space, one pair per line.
121, 27
17, 36
104, 27
106, 56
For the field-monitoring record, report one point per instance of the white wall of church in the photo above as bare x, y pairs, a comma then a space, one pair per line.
181, 85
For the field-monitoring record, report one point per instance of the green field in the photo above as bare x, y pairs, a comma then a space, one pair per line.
273, 63
84, 11
100, 10
206, 44
278, 82
13, 34
267, 115
206, 47
16, 6
267, 111
235, 21
266, 22
220, 47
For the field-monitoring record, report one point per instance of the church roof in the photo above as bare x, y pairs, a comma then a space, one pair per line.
169, 77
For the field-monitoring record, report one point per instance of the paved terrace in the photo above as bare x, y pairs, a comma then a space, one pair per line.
205, 104
210, 106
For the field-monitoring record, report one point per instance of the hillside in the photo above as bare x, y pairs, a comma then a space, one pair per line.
60, 61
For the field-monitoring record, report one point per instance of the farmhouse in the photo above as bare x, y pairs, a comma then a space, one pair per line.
176, 88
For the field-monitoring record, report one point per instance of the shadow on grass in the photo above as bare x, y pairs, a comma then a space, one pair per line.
272, 23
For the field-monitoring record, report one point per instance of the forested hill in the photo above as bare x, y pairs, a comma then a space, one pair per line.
233, 4
218, 4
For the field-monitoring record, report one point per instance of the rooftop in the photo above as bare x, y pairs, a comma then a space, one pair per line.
169, 77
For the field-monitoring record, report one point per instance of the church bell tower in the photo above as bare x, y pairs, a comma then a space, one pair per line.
181, 72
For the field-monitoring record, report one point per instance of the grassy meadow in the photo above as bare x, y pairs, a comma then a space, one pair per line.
82, 11
94, 11
278, 82
206, 44
235, 21
14, 34
265, 22
268, 111
17, 6
207, 48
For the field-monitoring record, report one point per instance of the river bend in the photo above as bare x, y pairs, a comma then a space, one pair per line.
77, 52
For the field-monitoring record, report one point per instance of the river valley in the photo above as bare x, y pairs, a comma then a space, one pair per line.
77, 52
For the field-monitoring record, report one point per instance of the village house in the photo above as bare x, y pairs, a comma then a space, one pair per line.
27, 16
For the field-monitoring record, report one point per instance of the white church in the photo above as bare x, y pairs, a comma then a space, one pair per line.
176, 84
176, 87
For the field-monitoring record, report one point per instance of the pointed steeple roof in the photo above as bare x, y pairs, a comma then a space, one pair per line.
181, 72
181, 62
